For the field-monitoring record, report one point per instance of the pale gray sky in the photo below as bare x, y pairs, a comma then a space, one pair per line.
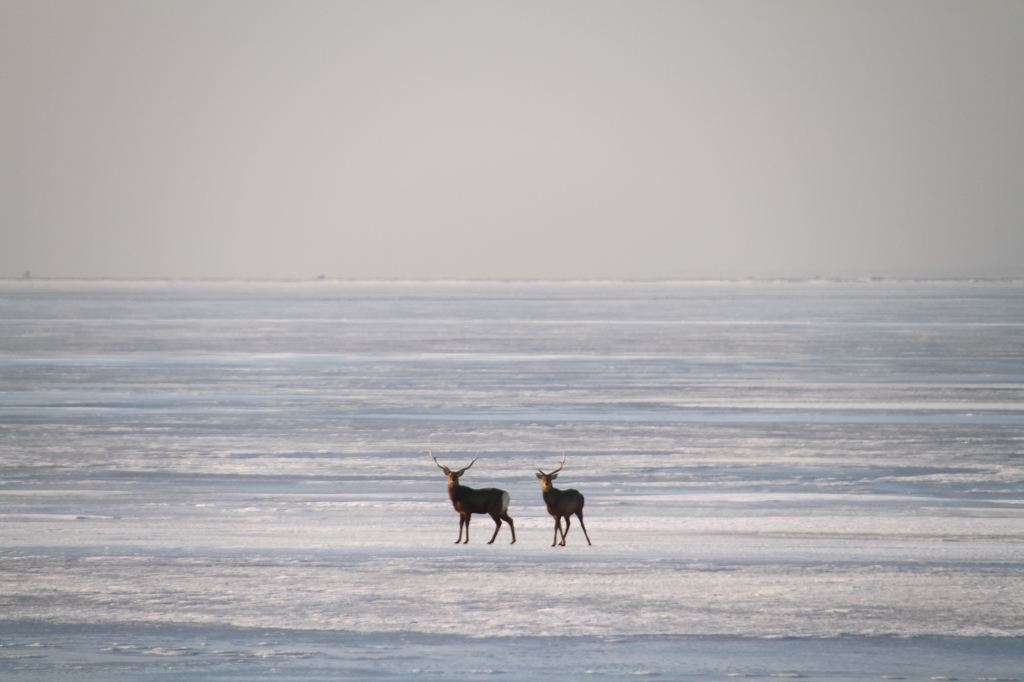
170, 138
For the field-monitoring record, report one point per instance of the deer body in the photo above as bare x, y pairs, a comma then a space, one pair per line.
468, 501
561, 504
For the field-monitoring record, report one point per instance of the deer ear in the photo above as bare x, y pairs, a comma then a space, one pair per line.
538, 476
554, 476
447, 471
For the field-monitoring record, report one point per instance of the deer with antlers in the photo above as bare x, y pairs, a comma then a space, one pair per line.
468, 501
561, 503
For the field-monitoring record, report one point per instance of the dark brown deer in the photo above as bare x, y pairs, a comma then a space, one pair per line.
469, 501
561, 503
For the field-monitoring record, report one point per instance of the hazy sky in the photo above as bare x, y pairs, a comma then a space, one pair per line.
511, 139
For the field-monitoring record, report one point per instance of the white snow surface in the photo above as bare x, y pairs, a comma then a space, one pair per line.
760, 460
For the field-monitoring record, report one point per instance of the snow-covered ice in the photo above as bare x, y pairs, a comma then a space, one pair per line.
230, 480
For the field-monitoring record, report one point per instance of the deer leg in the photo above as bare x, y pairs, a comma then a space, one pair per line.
579, 515
512, 527
468, 519
497, 527
462, 520
566, 531
558, 527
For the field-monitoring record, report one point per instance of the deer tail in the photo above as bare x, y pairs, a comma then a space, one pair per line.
504, 502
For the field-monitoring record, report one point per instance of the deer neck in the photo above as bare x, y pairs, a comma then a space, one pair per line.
454, 490
552, 497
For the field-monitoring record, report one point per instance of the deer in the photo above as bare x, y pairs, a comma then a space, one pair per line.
561, 503
468, 501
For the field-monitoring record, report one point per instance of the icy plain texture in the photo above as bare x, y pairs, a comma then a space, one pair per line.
236, 463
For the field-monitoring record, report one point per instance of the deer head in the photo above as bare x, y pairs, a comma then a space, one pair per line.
453, 476
545, 479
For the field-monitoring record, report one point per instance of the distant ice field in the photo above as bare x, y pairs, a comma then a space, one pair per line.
230, 480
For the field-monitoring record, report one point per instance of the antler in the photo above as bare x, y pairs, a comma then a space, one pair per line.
560, 465
445, 469
462, 471
556, 470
